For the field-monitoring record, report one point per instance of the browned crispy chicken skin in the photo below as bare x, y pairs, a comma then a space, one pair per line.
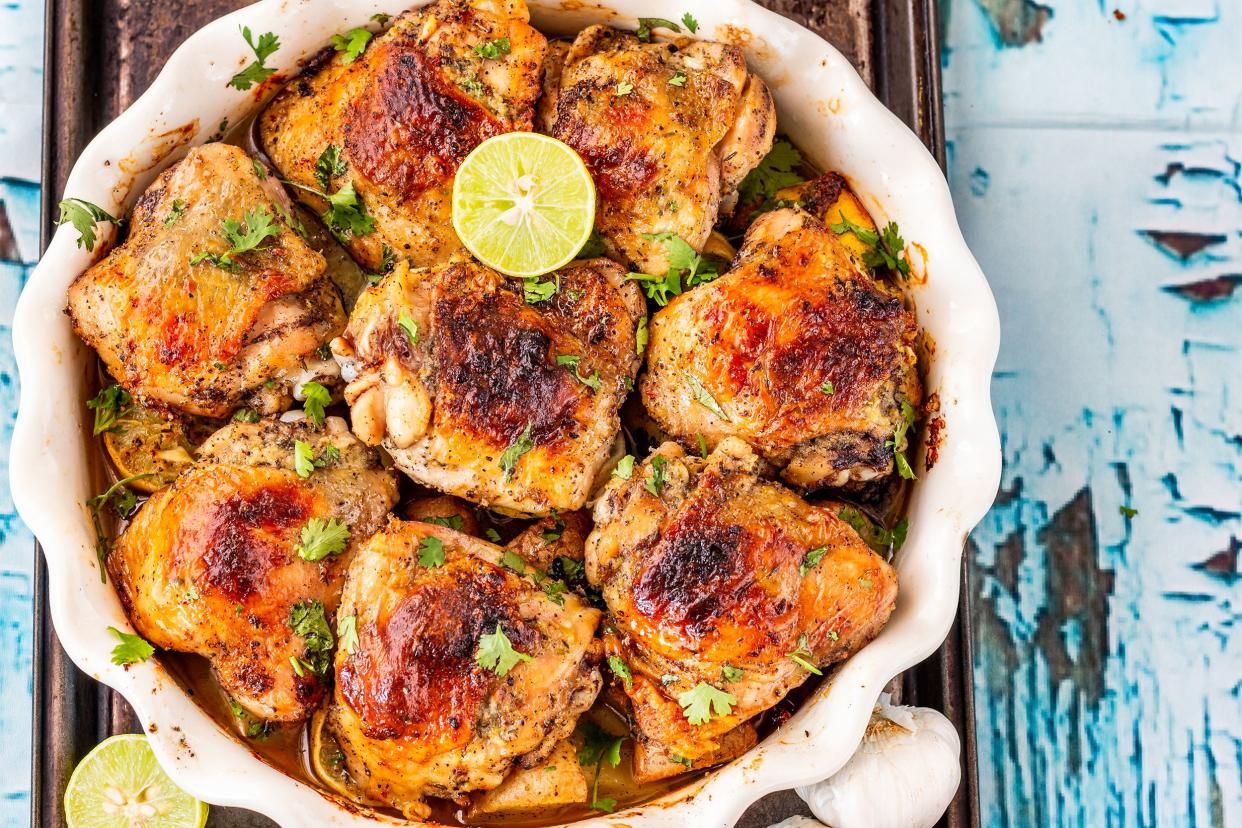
414, 711
209, 564
466, 384
204, 338
405, 114
805, 354
709, 581
667, 131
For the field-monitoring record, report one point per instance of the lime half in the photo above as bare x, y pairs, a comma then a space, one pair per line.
523, 203
120, 785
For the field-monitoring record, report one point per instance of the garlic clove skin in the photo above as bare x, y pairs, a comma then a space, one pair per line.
798, 822
904, 774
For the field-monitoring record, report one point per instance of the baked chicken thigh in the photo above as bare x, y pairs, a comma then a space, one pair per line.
797, 350
212, 297
456, 669
723, 591
226, 561
668, 133
398, 120
479, 393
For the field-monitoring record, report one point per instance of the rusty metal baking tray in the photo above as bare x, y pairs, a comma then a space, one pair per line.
101, 54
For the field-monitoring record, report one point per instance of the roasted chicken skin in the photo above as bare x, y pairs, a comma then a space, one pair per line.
478, 393
210, 565
713, 577
667, 131
418, 709
806, 355
405, 114
204, 337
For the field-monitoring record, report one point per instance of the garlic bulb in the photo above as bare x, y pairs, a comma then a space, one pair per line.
798, 822
904, 774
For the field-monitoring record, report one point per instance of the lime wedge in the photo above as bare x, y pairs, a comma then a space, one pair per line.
523, 203
120, 785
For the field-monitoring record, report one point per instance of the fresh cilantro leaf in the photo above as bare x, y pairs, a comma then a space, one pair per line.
492, 535
407, 324
597, 748
303, 458
877, 537
571, 361
307, 620
625, 467
121, 498
381, 18
640, 336
322, 538
802, 656
704, 398
448, 521
812, 557
827, 388
646, 24
700, 703
775, 172
256, 227
257, 71
555, 590
218, 135
898, 535
347, 633
351, 43
496, 653
900, 441
623, 89
329, 165
731, 674
1126, 511
109, 406
314, 399
686, 269
658, 480
83, 216
536, 291
347, 215
690, 22
431, 552
551, 534
513, 562
509, 459
132, 649
678, 79
177, 211
260, 171
885, 248
493, 49
622, 670
702, 446
571, 570
246, 415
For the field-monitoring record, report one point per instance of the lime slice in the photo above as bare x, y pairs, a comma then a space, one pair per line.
120, 785
523, 203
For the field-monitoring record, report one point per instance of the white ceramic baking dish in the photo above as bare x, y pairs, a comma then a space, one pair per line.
835, 119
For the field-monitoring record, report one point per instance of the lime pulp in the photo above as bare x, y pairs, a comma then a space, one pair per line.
119, 784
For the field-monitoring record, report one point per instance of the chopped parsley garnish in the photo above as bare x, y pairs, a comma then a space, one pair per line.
447, 521
132, 649
775, 172
690, 22
901, 442
246, 415
641, 335
322, 538
347, 633
623, 89
248, 235
555, 590
704, 398
599, 747
407, 324
257, 71
536, 291
885, 248
109, 406
646, 24
431, 552
686, 269
315, 398
731, 674
471, 86
83, 216
346, 215
1126, 511
658, 479
351, 44
513, 562
622, 670
493, 49
801, 655
329, 165
812, 557
699, 704
308, 621
678, 79
625, 467
177, 211
496, 653
509, 459
571, 361
877, 537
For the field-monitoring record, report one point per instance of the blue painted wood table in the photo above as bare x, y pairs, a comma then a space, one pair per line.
1095, 152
